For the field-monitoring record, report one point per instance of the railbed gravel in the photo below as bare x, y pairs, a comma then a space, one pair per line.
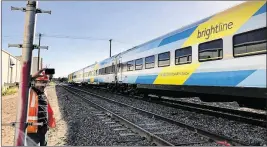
229, 105
169, 132
246, 133
86, 129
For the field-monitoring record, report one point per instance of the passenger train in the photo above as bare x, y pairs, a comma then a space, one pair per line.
219, 58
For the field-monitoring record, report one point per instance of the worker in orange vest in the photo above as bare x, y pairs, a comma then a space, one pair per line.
39, 111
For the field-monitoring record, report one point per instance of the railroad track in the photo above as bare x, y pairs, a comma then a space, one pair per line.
119, 123
157, 128
232, 114
257, 119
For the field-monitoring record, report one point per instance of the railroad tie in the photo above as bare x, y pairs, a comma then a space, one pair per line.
101, 117
130, 113
153, 124
110, 122
100, 114
166, 132
116, 125
106, 119
127, 134
120, 129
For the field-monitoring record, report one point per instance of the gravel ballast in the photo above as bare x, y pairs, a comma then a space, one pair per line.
87, 128
167, 131
246, 133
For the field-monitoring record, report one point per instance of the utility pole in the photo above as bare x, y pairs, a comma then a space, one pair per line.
27, 47
40, 35
39, 51
110, 47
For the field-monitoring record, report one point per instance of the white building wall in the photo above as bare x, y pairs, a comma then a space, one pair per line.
4, 64
9, 75
12, 75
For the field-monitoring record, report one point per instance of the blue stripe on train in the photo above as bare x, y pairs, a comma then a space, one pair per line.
147, 79
129, 79
178, 36
257, 79
261, 10
225, 78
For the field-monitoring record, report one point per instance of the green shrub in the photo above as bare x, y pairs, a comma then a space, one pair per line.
10, 91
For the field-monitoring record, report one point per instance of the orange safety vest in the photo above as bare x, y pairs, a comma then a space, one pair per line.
33, 112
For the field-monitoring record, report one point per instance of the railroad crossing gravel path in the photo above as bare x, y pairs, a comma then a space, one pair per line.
249, 134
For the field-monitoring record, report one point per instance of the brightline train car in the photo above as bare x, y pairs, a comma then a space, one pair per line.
106, 73
89, 74
78, 76
223, 55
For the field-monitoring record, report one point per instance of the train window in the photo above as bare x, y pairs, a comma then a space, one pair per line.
102, 71
212, 50
183, 56
250, 43
164, 59
124, 66
130, 66
139, 64
119, 66
113, 68
109, 70
150, 62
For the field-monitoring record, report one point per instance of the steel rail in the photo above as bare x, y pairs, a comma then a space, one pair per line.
220, 112
237, 115
151, 137
212, 136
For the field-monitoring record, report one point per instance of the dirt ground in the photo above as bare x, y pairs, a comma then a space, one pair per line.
56, 136
9, 104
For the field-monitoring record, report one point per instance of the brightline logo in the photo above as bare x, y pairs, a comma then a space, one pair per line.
214, 29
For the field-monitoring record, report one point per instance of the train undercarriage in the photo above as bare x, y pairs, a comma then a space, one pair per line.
245, 97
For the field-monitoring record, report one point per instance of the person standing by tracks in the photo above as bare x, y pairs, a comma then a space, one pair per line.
39, 111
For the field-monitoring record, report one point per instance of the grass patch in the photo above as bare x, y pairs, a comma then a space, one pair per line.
52, 83
10, 91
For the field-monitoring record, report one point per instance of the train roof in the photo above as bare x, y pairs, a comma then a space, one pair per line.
184, 29
84, 68
182, 33
156, 42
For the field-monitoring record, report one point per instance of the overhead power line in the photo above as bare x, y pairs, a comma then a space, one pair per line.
83, 38
72, 37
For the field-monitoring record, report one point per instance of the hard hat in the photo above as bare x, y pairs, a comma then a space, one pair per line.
43, 78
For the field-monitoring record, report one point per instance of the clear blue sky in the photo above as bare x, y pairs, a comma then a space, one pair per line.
129, 23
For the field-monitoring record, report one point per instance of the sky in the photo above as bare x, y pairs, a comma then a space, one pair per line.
128, 23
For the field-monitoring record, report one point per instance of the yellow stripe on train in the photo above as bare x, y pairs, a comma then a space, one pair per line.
224, 23
176, 75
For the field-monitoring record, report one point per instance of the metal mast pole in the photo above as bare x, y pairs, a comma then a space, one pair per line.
27, 47
39, 51
110, 47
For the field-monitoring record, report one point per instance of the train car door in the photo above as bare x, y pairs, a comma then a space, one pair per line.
120, 69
